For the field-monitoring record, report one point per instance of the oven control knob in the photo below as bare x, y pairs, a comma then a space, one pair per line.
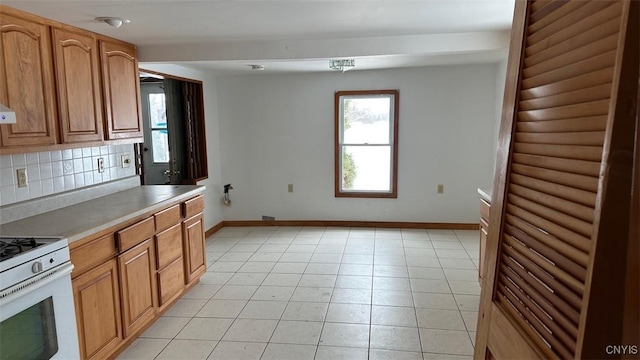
36, 267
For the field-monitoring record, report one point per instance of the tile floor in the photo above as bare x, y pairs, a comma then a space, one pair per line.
325, 293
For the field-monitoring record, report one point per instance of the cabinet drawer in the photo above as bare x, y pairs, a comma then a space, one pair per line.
170, 281
484, 209
169, 245
92, 254
135, 234
193, 206
167, 218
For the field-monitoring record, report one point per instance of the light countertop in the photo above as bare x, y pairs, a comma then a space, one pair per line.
485, 194
78, 221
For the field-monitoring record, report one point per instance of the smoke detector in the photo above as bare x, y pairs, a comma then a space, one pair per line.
116, 22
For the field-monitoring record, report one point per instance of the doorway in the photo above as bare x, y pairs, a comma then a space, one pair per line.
174, 148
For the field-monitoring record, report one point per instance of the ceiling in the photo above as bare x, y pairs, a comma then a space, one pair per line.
296, 35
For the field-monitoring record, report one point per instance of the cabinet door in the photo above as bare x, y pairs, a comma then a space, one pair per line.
194, 248
121, 87
137, 278
26, 82
97, 300
78, 84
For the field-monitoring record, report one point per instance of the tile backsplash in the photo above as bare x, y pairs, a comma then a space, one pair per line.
51, 172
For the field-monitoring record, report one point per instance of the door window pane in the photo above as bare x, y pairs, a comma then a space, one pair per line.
160, 141
157, 111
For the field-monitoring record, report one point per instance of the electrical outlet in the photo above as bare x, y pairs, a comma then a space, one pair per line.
440, 188
100, 165
22, 178
125, 160
290, 188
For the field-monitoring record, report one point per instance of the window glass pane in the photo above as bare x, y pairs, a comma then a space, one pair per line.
366, 120
30, 334
366, 168
157, 111
160, 141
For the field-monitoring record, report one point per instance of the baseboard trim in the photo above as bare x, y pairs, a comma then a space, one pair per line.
214, 229
340, 223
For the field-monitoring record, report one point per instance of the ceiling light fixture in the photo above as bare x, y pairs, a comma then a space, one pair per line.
116, 22
342, 65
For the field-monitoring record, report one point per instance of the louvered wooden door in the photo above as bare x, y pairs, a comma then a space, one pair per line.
554, 286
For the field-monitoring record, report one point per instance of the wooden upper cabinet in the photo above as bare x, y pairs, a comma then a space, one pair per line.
78, 85
26, 82
121, 88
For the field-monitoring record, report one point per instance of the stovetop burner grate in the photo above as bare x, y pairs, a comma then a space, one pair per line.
11, 247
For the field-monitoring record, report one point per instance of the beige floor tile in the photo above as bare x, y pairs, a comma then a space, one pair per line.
273, 293
273, 248
222, 308
429, 285
215, 278
391, 283
267, 310
440, 319
393, 316
446, 342
390, 270
282, 280
465, 287
311, 280
353, 282
289, 352
461, 274
434, 301
340, 353
257, 267
351, 296
470, 319
235, 292
457, 263
204, 329
306, 311
360, 259
245, 248
349, 335
186, 307
356, 269
226, 266
297, 332
251, 330
432, 356
235, 256
378, 354
448, 245
322, 269
187, 349
416, 272
247, 279
394, 338
467, 302
392, 298
144, 349
265, 257
300, 248
289, 268
296, 257
349, 313
166, 327
326, 258
312, 294
353, 249
204, 292
228, 350
329, 249
388, 260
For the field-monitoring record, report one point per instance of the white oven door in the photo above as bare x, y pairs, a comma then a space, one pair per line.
37, 318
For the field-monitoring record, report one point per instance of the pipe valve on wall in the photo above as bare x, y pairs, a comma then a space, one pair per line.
226, 199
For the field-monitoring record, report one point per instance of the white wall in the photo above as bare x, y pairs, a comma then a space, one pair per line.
501, 78
213, 193
278, 129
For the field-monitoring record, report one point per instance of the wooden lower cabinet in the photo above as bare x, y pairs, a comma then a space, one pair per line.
97, 302
194, 248
138, 286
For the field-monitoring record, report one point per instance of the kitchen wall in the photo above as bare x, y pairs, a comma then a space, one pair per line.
51, 172
279, 129
213, 193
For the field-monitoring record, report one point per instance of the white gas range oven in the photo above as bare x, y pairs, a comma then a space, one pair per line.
37, 314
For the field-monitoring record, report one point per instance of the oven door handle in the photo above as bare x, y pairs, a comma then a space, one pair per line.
35, 283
